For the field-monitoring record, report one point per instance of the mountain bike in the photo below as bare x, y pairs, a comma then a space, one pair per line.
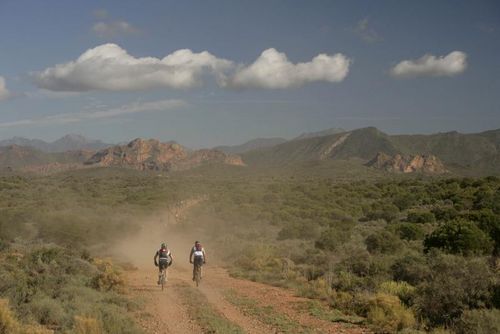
163, 278
197, 273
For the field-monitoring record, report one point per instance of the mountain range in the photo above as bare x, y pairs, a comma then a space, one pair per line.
471, 154
70, 142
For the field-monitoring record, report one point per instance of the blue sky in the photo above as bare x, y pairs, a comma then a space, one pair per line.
206, 73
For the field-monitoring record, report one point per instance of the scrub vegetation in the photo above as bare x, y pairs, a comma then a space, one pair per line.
398, 254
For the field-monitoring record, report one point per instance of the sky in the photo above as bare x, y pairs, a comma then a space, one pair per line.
207, 73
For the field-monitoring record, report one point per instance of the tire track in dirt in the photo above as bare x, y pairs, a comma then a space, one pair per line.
168, 312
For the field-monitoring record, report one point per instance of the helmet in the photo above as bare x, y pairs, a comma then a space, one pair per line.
163, 245
196, 242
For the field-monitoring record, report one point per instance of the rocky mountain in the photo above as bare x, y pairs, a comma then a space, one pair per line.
407, 164
253, 144
462, 153
70, 142
152, 154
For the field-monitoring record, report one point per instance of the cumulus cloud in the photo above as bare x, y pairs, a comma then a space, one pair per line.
114, 28
109, 67
450, 65
4, 92
64, 118
273, 70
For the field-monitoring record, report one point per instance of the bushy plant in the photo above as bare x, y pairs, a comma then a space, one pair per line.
480, 321
387, 315
403, 290
456, 284
383, 242
459, 237
420, 217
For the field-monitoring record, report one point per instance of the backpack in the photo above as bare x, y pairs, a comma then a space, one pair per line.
163, 253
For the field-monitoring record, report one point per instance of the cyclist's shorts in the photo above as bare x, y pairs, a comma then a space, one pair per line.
198, 260
164, 263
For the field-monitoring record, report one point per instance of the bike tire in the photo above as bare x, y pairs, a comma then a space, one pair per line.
197, 276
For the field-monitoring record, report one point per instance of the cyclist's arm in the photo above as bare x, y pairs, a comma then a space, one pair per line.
191, 255
156, 256
204, 255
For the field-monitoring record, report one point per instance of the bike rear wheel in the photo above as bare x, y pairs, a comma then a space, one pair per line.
162, 279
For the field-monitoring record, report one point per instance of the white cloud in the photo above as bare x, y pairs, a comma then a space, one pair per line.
138, 107
109, 67
4, 92
114, 28
450, 65
273, 70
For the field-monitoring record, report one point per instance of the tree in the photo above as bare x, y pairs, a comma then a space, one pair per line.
459, 236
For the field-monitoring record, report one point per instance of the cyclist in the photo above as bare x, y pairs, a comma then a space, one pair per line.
198, 257
165, 259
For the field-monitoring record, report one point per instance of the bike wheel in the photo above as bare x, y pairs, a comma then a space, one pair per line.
162, 280
198, 275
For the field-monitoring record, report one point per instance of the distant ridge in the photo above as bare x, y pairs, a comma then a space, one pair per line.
69, 142
327, 132
477, 153
253, 144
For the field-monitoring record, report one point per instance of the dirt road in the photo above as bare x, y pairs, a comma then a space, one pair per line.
167, 311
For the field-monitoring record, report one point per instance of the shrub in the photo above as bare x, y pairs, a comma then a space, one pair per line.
382, 242
420, 217
86, 325
456, 284
459, 237
47, 311
409, 231
388, 315
403, 290
331, 238
108, 278
482, 321
411, 268
8, 323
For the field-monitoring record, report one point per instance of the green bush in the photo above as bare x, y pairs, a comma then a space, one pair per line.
480, 321
420, 217
383, 242
456, 284
409, 231
404, 291
387, 315
459, 237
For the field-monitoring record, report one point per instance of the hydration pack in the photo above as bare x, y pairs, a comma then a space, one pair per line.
163, 253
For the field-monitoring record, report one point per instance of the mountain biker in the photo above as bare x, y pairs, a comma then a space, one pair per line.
198, 255
164, 255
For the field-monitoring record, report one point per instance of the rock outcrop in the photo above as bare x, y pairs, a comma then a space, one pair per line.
152, 154
409, 164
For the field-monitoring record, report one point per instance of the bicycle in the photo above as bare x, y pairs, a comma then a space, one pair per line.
163, 278
197, 273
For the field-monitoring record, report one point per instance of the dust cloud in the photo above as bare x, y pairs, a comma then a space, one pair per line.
140, 247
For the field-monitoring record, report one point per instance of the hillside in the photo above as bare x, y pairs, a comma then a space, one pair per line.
151, 154
253, 144
15, 156
70, 142
461, 153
